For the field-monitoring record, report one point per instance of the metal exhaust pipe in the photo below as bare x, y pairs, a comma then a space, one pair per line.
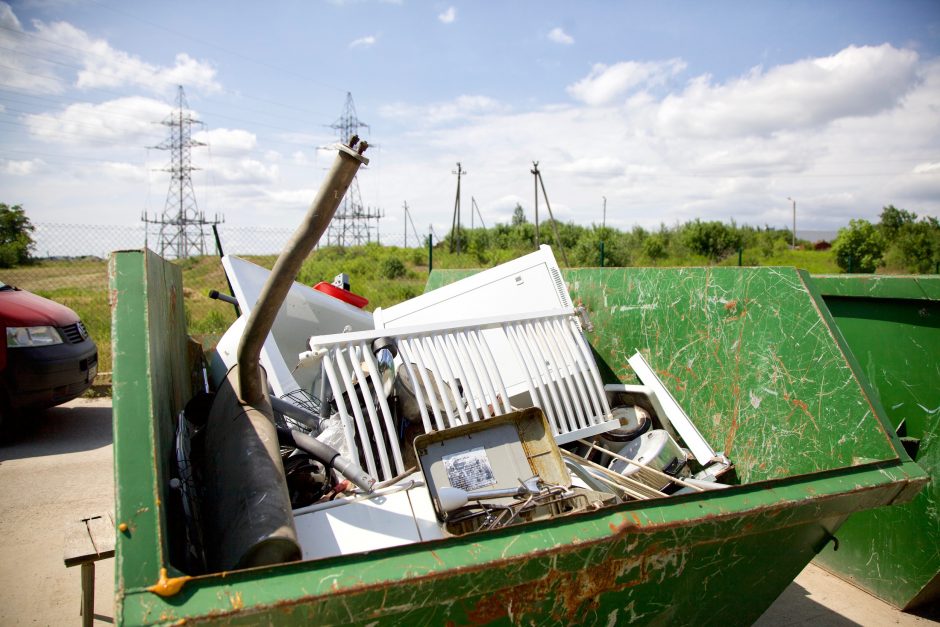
248, 506
275, 289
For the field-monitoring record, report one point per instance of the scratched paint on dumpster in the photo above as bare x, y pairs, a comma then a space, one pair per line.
892, 325
749, 356
687, 559
747, 353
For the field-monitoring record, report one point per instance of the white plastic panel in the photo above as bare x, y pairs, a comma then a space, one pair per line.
305, 312
669, 410
394, 519
528, 284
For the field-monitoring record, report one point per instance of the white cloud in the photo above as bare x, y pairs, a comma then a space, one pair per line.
28, 72
927, 168
444, 112
595, 167
606, 83
810, 93
42, 67
20, 168
121, 171
559, 36
838, 161
124, 120
291, 197
243, 171
448, 16
225, 141
363, 42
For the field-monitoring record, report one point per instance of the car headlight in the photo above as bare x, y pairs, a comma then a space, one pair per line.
18, 337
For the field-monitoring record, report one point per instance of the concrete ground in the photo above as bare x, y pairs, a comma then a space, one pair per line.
60, 469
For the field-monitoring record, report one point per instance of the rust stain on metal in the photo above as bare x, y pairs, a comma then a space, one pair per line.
633, 524
680, 384
802, 406
168, 586
572, 593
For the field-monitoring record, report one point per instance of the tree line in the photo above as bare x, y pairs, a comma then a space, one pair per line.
899, 242
695, 242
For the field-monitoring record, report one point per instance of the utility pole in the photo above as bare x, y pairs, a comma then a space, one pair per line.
182, 225
535, 176
455, 224
604, 220
539, 181
794, 221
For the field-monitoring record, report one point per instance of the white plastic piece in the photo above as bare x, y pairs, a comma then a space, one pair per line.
378, 522
305, 312
669, 410
451, 498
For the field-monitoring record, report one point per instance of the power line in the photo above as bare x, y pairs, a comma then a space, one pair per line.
220, 48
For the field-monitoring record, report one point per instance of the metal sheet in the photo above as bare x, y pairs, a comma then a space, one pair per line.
892, 325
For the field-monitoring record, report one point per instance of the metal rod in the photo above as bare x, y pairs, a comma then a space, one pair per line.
655, 471
639, 490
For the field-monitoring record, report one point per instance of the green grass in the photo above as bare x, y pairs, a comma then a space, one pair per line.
384, 275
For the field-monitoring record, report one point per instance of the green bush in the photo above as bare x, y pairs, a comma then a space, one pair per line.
859, 247
713, 240
392, 268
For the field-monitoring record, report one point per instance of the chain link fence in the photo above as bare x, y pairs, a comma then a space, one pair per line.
70, 266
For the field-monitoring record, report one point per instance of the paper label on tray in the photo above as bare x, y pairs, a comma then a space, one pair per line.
469, 470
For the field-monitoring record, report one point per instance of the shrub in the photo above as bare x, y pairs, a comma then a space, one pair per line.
859, 247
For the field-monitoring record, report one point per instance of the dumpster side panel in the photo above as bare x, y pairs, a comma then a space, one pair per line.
150, 384
894, 553
693, 559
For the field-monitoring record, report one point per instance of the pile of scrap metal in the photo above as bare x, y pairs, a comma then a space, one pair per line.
327, 430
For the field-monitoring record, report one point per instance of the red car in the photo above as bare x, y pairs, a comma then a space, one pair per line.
48, 357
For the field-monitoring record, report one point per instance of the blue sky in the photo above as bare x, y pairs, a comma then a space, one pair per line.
671, 110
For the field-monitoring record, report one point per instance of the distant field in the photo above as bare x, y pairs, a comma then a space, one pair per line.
384, 275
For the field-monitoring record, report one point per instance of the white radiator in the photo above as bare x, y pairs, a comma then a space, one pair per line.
457, 368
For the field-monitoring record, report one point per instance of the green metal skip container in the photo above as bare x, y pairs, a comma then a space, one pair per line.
751, 354
892, 325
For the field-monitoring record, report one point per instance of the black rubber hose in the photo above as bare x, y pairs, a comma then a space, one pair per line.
326, 455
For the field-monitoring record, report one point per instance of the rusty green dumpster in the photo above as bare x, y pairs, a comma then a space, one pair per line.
750, 353
892, 325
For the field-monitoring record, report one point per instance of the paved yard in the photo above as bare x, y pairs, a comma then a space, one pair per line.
60, 470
